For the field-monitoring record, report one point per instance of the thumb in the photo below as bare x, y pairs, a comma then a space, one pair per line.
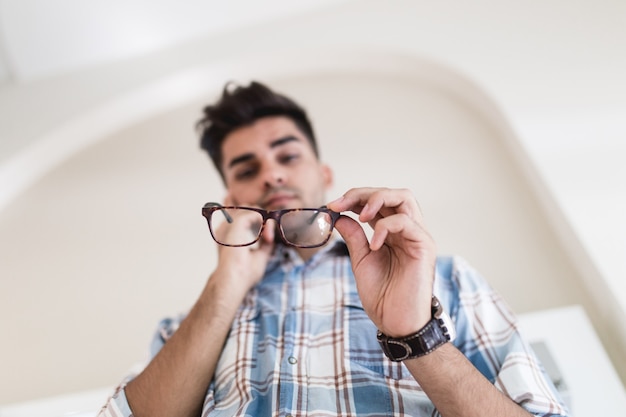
265, 245
267, 235
354, 235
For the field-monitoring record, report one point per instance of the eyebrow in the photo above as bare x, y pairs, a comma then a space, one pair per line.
274, 144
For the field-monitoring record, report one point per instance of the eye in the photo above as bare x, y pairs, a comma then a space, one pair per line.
246, 173
288, 158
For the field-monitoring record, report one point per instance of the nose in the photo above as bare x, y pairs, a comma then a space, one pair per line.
273, 176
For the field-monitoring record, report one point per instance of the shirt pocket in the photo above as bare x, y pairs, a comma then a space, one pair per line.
363, 349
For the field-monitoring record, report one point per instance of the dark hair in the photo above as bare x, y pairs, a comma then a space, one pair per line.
241, 106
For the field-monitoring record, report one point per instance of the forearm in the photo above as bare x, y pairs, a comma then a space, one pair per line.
176, 380
457, 388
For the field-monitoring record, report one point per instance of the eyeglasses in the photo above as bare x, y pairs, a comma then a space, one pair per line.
242, 226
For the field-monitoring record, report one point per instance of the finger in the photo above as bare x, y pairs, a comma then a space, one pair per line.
400, 225
266, 242
386, 202
342, 204
268, 232
369, 202
354, 236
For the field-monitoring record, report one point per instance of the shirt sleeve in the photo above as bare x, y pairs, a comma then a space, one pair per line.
488, 335
117, 404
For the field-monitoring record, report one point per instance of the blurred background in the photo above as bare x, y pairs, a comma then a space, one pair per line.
506, 119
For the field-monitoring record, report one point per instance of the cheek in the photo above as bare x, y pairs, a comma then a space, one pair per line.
315, 182
242, 194
321, 178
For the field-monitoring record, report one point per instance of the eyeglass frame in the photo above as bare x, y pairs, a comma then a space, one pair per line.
209, 208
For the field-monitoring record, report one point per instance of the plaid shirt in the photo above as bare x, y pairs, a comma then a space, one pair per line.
301, 344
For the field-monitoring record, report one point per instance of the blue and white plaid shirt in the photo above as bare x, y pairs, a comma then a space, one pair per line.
302, 345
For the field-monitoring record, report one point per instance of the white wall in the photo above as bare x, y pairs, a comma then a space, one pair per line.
112, 240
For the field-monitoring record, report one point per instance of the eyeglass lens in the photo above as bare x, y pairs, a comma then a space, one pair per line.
242, 226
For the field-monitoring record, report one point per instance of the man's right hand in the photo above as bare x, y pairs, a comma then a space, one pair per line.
176, 380
243, 266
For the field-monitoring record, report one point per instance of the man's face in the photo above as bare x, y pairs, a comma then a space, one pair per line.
272, 165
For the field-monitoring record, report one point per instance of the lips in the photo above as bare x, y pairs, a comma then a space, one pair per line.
278, 200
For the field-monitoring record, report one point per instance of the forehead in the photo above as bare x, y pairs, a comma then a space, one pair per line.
259, 136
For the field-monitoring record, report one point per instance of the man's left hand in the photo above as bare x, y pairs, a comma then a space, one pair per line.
395, 271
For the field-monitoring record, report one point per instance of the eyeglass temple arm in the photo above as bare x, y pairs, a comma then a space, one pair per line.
229, 219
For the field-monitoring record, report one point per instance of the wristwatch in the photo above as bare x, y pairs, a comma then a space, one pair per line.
438, 331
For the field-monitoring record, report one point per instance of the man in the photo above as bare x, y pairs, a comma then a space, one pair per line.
291, 326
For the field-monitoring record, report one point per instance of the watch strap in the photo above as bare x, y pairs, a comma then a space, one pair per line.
434, 334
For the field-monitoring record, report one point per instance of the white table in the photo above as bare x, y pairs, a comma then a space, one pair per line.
593, 385
80, 404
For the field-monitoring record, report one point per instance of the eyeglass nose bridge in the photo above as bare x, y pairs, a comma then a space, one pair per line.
271, 215
275, 215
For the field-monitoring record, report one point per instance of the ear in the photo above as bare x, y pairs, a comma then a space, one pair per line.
327, 176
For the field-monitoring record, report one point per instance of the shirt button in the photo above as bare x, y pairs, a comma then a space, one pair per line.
292, 360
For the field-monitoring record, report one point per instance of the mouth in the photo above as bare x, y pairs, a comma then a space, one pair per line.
278, 200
